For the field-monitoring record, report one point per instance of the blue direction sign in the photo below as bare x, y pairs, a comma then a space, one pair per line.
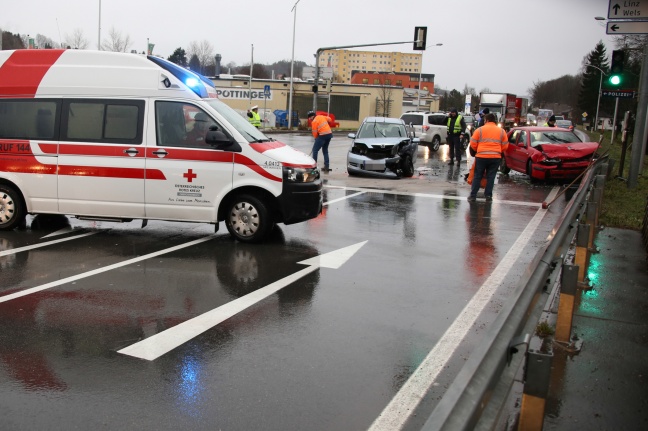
623, 94
628, 9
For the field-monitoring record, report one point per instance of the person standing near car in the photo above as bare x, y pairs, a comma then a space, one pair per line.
322, 133
484, 113
456, 128
487, 145
551, 122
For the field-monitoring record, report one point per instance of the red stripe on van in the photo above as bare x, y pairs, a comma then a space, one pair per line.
23, 71
242, 160
112, 172
261, 147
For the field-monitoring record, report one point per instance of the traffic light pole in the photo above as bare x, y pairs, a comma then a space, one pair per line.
639, 139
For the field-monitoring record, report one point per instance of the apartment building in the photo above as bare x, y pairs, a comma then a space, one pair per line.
344, 62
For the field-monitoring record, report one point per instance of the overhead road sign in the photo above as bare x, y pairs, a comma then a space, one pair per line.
626, 9
627, 27
623, 94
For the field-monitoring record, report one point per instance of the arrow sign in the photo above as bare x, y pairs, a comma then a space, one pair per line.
165, 341
637, 9
627, 27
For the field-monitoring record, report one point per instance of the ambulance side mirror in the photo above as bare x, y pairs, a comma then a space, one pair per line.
220, 141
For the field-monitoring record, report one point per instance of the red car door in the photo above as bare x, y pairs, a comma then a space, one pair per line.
517, 153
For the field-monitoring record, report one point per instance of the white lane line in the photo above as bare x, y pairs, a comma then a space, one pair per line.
429, 195
163, 342
43, 244
398, 411
343, 198
101, 270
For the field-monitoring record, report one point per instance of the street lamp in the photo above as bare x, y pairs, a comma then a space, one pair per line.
599, 94
292, 65
418, 93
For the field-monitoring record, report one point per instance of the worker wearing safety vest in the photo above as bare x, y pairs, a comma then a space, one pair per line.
322, 133
456, 128
487, 144
253, 116
551, 122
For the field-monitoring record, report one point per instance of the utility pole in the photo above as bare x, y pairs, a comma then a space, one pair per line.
639, 139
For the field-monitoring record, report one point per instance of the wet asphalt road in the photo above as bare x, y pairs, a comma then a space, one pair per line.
330, 344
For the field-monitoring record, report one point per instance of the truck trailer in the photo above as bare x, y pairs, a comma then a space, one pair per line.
500, 104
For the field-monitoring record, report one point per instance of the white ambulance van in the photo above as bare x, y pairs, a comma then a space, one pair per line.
116, 137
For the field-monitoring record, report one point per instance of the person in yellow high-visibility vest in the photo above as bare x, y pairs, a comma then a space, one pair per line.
253, 116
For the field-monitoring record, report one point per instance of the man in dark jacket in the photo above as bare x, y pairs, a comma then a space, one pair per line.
456, 128
485, 112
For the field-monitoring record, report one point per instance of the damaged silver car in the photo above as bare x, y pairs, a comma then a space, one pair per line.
382, 147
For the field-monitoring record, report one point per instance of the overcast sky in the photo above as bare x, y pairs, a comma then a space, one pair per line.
504, 45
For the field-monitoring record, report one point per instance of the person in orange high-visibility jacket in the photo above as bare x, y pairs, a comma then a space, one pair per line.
322, 133
487, 144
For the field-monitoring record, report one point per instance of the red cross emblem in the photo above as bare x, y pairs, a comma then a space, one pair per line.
190, 175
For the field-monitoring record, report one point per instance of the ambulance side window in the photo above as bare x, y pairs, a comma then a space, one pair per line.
181, 125
29, 119
106, 121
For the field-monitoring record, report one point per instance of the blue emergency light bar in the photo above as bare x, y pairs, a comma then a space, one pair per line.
193, 80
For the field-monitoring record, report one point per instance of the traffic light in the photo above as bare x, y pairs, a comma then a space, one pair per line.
616, 69
420, 34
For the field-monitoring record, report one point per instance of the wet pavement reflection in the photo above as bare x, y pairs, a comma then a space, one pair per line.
327, 351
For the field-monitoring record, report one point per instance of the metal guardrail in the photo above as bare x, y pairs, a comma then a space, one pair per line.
477, 397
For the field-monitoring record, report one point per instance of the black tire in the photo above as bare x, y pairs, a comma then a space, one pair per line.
504, 167
247, 219
12, 210
436, 144
408, 167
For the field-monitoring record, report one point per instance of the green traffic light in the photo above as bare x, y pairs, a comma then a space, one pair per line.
615, 79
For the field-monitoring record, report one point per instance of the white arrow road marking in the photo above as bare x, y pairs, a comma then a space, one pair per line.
157, 345
43, 244
100, 270
60, 232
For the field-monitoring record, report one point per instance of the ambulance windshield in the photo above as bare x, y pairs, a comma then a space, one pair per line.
240, 123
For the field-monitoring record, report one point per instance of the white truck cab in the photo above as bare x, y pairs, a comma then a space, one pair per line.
116, 137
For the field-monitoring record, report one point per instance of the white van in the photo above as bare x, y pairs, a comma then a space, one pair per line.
116, 137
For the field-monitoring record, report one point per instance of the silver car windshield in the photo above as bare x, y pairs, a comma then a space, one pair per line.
240, 123
382, 130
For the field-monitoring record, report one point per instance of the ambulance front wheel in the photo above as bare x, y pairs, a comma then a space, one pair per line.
12, 210
248, 219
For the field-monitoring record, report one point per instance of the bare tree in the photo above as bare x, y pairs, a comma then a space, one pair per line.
204, 51
76, 40
116, 42
384, 101
45, 42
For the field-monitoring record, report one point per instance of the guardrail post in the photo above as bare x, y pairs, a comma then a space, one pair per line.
568, 285
581, 257
536, 389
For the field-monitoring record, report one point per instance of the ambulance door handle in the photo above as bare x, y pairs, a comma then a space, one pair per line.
160, 153
131, 152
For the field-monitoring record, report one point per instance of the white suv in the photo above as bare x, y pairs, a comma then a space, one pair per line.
430, 127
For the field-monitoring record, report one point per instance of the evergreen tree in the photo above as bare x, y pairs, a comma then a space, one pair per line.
178, 57
194, 63
589, 92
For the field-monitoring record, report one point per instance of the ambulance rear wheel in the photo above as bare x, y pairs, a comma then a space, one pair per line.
12, 210
248, 219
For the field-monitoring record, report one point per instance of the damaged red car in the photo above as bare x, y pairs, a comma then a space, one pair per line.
547, 153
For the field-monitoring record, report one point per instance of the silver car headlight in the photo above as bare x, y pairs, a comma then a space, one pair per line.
300, 175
